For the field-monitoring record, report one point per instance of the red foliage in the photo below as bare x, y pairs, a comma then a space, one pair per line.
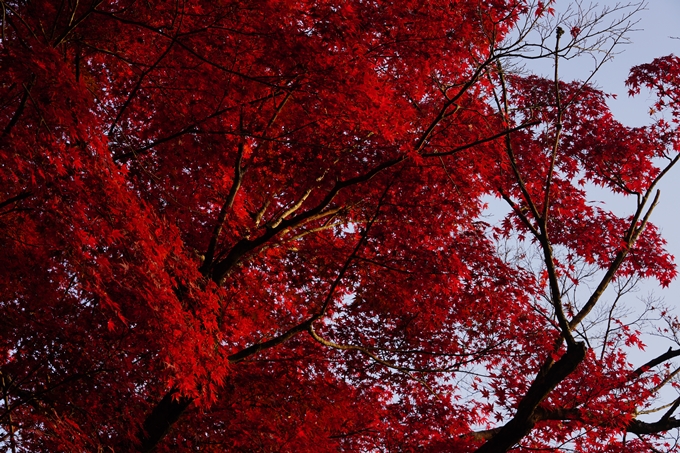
259, 224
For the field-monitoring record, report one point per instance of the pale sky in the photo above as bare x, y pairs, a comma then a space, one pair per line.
657, 26
653, 37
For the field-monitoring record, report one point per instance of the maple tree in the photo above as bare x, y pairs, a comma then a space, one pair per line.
259, 226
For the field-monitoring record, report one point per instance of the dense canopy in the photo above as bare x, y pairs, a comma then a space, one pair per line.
260, 226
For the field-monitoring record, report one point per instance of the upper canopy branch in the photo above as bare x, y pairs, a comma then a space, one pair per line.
635, 426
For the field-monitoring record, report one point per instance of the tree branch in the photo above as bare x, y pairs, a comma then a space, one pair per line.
20, 109
137, 86
525, 418
671, 353
22, 196
229, 202
245, 246
483, 140
162, 417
